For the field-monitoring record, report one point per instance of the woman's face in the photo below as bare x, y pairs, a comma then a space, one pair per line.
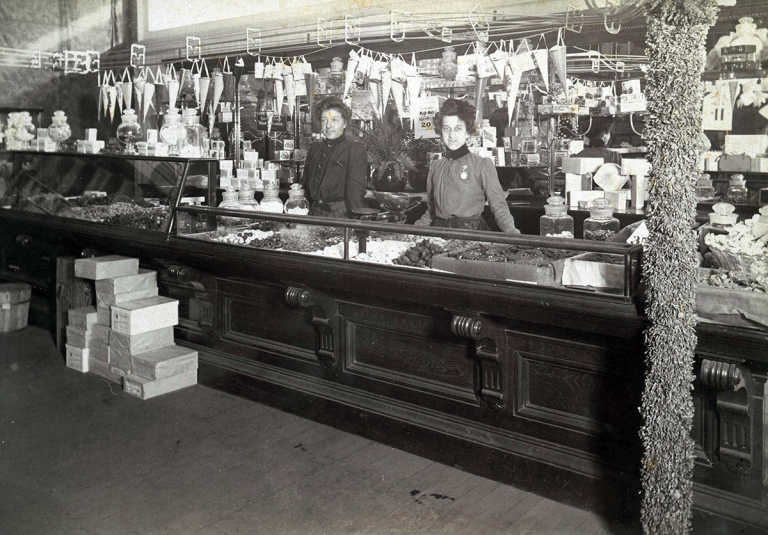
332, 124
454, 132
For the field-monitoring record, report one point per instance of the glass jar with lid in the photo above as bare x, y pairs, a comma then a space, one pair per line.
737, 190
600, 225
172, 131
556, 221
191, 139
296, 203
129, 131
271, 202
722, 215
246, 200
230, 202
704, 189
59, 130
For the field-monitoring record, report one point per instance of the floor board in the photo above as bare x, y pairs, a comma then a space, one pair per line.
77, 455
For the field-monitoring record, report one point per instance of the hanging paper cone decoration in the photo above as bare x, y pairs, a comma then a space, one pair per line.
138, 86
149, 99
112, 99
105, 99
500, 58
480, 86
541, 57
764, 111
279, 95
414, 86
119, 97
386, 87
375, 96
204, 85
354, 59
127, 88
196, 87
218, 88
513, 86
557, 54
290, 89
398, 93
735, 88
269, 123
173, 91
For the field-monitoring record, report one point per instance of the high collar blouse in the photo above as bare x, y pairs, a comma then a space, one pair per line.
460, 188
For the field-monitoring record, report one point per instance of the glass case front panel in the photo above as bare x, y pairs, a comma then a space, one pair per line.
566, 263
136, 193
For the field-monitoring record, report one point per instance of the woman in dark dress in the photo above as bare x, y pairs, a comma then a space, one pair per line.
336, 168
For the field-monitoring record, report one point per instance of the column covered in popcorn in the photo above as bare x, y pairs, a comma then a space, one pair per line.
676, 35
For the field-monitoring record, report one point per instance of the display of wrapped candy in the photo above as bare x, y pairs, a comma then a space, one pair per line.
735, 280
598, 235
126, 214
420, 255
530, 256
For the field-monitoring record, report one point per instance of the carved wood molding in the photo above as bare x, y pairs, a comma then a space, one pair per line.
198, 283
721, 375
323, 312
490, 366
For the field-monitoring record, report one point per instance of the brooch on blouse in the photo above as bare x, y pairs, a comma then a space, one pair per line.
463, 174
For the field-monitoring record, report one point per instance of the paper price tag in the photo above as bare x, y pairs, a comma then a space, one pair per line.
424, 126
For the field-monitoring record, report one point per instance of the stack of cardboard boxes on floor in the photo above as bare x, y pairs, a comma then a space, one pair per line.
128, 336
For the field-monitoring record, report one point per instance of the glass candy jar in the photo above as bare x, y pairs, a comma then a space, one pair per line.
556, 221
704, 189
447, 68
737, 190
20, 131
722, 215
171, 131
296, 203
191, 138
129, 131
59, 130
230, 202
246, 200
271, 202
600, 225
336, 77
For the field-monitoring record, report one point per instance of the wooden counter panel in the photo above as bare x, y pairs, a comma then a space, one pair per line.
410, 350
255, 315
571, 385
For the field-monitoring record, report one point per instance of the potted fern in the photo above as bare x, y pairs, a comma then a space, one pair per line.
387, 147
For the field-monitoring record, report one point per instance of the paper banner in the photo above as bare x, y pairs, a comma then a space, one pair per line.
354, 59
557, 54
149, 99
127, 88
398, 93
279, 95
541, 58
218, 88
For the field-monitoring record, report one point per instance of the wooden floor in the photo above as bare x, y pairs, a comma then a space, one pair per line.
77, 455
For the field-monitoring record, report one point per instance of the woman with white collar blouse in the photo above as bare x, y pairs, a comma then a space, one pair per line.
459, 185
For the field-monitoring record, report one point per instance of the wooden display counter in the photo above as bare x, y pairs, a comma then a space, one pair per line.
533, 386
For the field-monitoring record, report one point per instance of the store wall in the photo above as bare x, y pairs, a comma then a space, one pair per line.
54, 26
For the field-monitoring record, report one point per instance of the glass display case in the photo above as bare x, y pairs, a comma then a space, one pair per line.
567, 264
132, 191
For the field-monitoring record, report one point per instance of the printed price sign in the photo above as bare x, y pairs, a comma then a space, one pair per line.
425, 127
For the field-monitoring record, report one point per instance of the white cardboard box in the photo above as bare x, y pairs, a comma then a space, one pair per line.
109, 299
146, 388
99, 351
77, 358
164, 362
124, 346
103, 369
634, 166
104, 315
145, 280
79, 338
106, 267
101, 333
82, 318
144, 315
580, 166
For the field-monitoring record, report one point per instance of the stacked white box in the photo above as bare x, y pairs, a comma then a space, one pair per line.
79, 338
82, 318
123, 347
144, 388
77, 358
144, 315
165, 362
105, 267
